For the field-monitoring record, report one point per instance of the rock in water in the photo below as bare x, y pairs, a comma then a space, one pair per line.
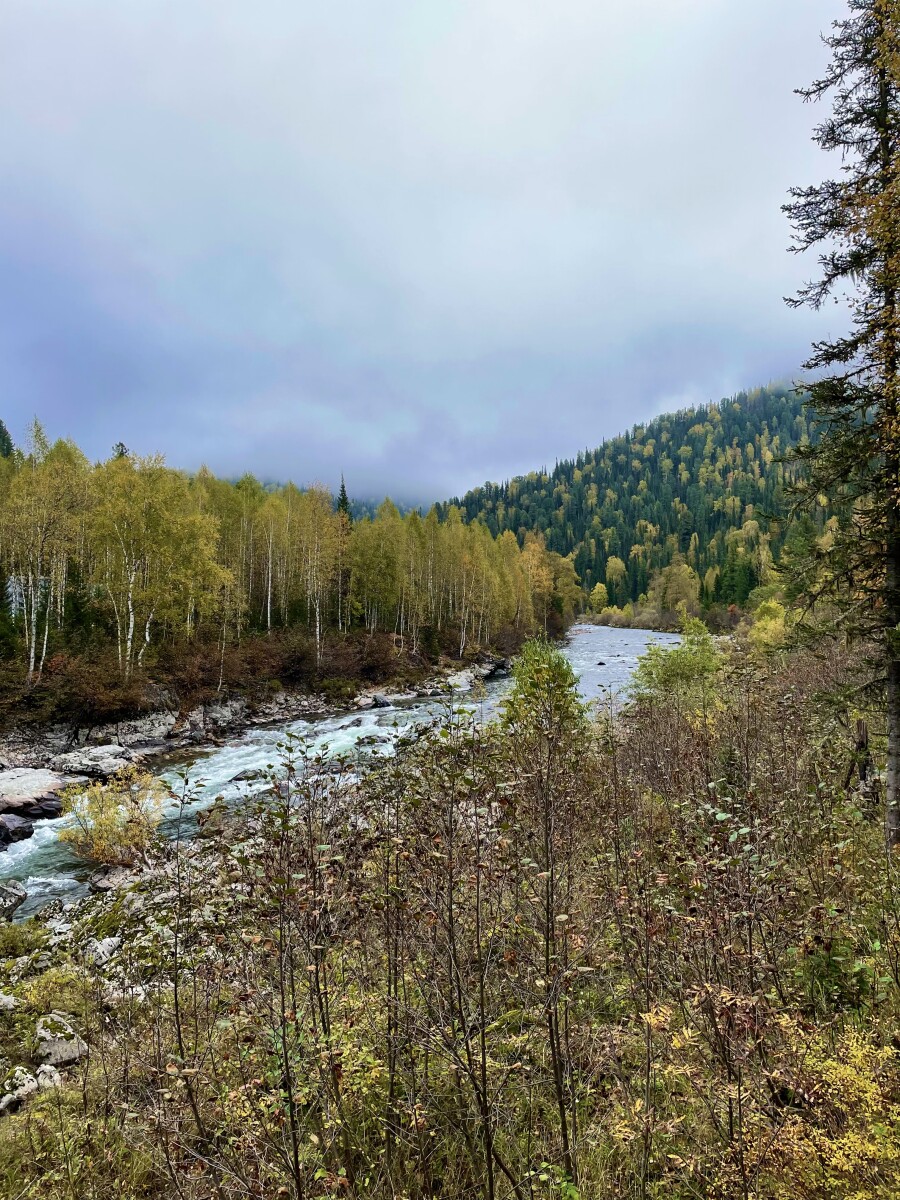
58, 1043
12, 894
14, 829
29, 792
462, 681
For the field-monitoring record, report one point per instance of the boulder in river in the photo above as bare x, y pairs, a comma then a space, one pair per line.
248, 775
12, 894
98, 762
29, 792
462, 681
13, 829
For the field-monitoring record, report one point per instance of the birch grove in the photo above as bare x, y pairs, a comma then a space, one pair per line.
148, 555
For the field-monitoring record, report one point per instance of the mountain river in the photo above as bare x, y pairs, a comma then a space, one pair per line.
602, 658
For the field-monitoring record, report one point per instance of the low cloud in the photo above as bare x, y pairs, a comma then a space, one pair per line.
419, 244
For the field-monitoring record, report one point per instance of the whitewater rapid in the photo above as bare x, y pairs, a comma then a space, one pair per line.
603, 660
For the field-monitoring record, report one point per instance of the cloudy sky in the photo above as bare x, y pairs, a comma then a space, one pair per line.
422, 242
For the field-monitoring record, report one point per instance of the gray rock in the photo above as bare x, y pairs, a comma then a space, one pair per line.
109, 879
379, 700
14, 829
98, 762
142, 731
48, 1077
214, 821
101, 951
462, 681
58, 1043
30, 784
12, 894
364, 702
7, 1002
16, 1088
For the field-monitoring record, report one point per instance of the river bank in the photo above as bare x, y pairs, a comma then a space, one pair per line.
222, 759
38, 765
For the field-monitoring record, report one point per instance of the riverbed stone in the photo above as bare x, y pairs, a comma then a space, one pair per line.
97, 762
32, 792
12, 894
462, 681
14, 829
58, 1043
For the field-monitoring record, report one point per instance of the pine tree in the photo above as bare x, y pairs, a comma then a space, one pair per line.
343, 504
6, 442
853, 220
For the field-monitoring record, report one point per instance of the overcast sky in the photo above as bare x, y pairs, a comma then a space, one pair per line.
422, 242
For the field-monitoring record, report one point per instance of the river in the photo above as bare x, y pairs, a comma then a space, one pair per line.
602, 658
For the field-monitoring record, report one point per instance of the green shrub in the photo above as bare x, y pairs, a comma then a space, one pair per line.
686, 672
22, 938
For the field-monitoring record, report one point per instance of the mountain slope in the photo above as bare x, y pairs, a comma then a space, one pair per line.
705, 483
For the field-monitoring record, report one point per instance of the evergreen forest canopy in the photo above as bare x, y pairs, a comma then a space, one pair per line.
133, 557
705, 484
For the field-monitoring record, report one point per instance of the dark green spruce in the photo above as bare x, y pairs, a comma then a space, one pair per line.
853, 468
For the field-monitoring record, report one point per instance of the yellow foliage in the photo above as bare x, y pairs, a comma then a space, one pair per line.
844, 1142
114, 822
770, 627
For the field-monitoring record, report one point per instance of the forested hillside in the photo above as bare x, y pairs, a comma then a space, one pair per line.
704, 483
130, 564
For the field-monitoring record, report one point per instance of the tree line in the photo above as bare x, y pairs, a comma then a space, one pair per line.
133, 554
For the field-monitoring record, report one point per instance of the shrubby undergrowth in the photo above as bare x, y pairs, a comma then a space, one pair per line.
558, 955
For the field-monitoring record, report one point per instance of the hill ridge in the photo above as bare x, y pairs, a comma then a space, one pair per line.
704, 483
